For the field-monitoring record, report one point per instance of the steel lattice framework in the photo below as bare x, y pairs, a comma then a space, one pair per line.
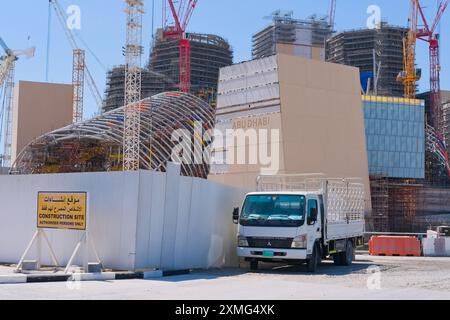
181, 12
78, 84
96, 145
428, 34
8, 116
436, 146
133, 79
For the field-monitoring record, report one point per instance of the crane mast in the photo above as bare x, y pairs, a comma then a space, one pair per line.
180, 12
7, 71
79, 66
410, 76
428, 34
332, 14
73, 43
133, 79
9, 96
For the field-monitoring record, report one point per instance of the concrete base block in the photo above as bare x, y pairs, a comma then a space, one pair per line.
29, 265
105, 276
94, 268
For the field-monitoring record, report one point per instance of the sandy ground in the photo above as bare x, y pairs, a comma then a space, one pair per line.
368, 278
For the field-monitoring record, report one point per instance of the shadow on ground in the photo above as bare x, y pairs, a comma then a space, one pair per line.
327, 268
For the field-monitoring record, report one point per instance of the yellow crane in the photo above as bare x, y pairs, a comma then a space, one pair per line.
410, 75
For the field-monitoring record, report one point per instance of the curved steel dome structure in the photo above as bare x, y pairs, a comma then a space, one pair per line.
96, 145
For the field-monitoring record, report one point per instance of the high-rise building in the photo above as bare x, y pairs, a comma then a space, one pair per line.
208, 54
377, 51
305, 38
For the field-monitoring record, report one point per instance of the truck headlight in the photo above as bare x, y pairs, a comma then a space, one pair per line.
242, 241
299, 242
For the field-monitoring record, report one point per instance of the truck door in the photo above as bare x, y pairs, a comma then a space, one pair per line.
314, 227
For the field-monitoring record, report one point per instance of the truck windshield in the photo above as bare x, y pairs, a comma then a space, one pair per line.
273, 210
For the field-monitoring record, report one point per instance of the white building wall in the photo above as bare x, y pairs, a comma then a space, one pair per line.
137, 220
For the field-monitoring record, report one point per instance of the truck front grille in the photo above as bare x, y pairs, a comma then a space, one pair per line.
274, 243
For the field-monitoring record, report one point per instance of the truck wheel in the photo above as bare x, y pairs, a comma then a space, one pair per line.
313, 262
347, 257
254, 265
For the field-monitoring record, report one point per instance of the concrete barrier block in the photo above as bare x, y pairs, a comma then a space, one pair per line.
9, 279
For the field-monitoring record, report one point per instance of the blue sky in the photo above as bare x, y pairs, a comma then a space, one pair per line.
24, 23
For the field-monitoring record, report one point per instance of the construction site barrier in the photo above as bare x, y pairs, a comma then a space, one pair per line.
394, 246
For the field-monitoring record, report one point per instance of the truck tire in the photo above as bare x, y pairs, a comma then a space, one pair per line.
347, 257
314, 260
254, 265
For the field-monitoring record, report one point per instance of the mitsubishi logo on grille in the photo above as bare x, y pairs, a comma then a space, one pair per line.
269, 244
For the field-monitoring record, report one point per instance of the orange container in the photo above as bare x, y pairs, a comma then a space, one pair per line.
394, 246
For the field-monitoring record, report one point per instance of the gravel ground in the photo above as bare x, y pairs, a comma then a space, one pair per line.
395, 278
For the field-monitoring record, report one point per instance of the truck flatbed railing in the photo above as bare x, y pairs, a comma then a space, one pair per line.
344, 197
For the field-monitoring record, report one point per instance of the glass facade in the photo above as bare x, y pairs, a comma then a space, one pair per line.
395, 136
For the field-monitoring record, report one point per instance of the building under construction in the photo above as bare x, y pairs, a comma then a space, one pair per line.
378, 52
445, 101
286, 34
208, 54
407, 205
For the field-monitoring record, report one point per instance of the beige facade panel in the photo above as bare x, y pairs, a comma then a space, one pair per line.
320, 121
38, 109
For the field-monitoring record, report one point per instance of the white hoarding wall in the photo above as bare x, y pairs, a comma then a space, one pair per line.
136, 220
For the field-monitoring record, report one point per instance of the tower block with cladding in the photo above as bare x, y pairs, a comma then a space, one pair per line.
38, 109
315, 106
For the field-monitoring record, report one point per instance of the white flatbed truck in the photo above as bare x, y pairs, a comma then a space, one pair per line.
301, 219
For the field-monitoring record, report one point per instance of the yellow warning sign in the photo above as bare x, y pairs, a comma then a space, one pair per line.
62, 210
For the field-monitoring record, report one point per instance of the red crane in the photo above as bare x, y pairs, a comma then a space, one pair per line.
428, 34
181, 12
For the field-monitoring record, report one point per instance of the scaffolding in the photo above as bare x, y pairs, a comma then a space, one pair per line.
357, 47
96, 145
410, 206
379, 218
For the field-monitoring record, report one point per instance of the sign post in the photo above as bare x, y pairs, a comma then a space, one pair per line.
62, 211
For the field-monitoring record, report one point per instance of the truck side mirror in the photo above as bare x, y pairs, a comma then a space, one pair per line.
312, 215
236, 215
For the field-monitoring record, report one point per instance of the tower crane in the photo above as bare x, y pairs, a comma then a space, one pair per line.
177, 14
78, 73
428, 34
332, 14
133, 82
410, 75
7, 68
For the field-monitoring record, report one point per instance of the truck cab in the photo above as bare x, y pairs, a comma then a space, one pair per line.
293, 226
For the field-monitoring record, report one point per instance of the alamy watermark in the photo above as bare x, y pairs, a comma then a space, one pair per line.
234, 146
73, 21
374, 279
374, 19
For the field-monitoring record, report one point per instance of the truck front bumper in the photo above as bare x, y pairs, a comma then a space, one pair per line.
278, 254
